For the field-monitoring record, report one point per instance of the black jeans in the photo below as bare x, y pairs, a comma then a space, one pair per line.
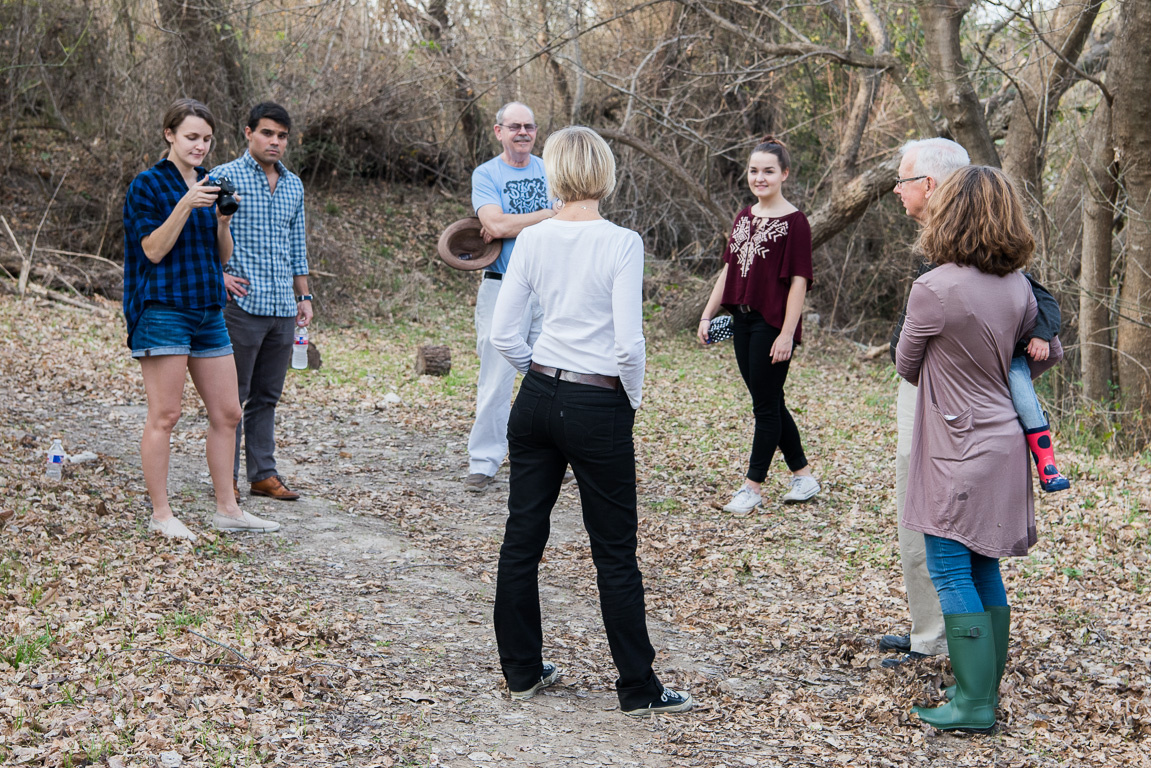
552, 424
774, 427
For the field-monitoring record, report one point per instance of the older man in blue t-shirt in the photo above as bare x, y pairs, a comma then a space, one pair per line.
509, 193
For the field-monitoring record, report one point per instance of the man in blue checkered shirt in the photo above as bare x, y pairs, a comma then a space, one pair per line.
267, 285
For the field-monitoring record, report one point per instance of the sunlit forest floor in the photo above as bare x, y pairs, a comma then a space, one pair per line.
361, 633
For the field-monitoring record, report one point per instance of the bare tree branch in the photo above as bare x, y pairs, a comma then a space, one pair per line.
32, 250
851, 58
675, 168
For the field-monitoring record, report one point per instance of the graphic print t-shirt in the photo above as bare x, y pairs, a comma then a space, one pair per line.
514, 190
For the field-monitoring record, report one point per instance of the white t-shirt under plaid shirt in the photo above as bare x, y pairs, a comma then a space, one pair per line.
268, 231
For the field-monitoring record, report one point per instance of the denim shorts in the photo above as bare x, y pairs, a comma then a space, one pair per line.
165, 330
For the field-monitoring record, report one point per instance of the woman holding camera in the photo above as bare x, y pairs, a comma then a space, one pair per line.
175, 247
583, 380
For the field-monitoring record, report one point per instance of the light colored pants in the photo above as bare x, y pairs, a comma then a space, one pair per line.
488, 442
927, 631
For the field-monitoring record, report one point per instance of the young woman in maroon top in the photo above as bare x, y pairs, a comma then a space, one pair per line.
766, 271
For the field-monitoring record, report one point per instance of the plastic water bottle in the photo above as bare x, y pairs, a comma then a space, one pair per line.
300, 348
55, 460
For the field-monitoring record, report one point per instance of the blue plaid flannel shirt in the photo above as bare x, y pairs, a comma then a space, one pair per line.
268, 231
190, 274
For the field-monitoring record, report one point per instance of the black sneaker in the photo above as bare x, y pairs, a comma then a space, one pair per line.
901, 643
910, 656
668, 701
550, 674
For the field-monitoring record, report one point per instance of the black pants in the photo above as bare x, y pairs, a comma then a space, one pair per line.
262, 347
555, 423
774, 427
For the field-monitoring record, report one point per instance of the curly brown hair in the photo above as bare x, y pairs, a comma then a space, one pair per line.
976, 219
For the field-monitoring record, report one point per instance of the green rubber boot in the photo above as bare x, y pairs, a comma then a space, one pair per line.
1001, 631
971, 646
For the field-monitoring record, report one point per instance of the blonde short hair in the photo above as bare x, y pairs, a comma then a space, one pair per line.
579, 164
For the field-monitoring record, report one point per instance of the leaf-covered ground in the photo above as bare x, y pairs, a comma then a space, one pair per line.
360, 635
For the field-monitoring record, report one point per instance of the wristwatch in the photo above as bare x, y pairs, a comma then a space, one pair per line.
305, 297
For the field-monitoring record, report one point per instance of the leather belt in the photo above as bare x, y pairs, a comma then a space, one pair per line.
591, 379
493, 275
745, 309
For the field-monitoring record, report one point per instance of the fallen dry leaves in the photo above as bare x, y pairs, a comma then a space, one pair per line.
117, 646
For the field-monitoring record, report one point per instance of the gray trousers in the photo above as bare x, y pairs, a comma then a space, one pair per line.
262, 347
927, 630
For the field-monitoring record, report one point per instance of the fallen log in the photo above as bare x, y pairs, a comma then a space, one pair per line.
433, 361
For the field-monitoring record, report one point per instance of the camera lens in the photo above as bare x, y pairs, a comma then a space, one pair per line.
226, 204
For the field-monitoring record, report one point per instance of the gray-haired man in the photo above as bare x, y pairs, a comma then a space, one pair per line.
509, 193
924, 165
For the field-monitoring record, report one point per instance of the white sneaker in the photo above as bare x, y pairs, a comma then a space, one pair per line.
172, 528
743, 501
246, 523
802, 489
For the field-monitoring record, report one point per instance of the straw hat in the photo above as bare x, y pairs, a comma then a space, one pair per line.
462, 246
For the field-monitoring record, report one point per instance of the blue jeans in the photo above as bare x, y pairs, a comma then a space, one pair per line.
967, 582
168, 330
1023, 397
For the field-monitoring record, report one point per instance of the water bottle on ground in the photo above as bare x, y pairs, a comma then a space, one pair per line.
300, 348
55, 460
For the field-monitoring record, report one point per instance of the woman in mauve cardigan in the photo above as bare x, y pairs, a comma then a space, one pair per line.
969, 482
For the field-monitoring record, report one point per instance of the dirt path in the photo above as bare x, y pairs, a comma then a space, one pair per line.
420, 593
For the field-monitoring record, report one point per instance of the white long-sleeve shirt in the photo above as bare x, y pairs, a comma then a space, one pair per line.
588, 276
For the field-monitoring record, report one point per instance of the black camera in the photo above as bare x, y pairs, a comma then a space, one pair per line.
226, 203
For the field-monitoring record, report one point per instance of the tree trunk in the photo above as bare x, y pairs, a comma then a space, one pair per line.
847, 156
850, 201
315, 361
1095, 270
433, 361
953, 89
1131, 70
558, 76
207, 64
469, 118
1044, 80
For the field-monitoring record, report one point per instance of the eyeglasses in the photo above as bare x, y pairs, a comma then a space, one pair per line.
517, 127
909, 179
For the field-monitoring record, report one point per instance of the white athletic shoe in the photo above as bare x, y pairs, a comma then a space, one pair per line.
802, 489
743, 501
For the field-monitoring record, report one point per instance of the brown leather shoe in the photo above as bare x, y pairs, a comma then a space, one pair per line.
236, 490
273, 487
